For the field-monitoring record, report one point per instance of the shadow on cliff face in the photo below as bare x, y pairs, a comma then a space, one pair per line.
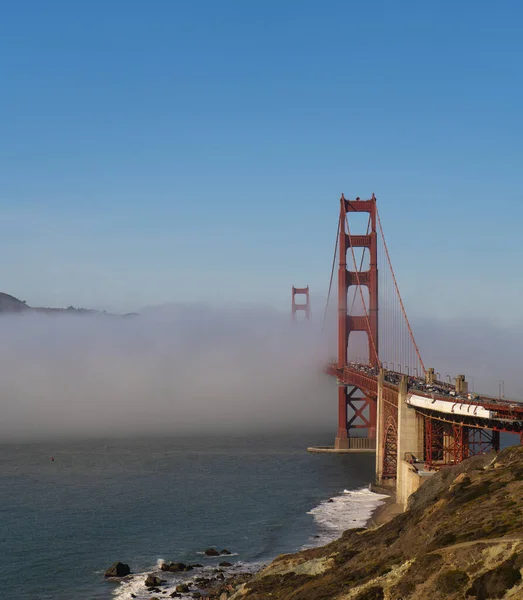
183, 370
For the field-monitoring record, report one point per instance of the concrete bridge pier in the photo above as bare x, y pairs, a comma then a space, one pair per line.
410, 442
410, 445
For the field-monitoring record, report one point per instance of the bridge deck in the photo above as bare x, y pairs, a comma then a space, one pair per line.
438, 400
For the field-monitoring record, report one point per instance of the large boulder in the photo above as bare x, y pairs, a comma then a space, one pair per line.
175, 567
225, 551
225, 564
118, 569
153, 581
211, 552
182, 588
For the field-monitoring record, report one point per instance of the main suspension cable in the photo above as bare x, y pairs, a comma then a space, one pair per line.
332, 274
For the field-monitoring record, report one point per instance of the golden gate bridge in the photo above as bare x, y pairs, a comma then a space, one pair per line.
389, 402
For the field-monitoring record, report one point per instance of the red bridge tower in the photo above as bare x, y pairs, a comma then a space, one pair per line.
304, 307
363, 409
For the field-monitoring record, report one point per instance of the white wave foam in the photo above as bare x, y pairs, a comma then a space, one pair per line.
133, 587
351, 509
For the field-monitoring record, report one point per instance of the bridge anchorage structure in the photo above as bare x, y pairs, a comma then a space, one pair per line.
388, 401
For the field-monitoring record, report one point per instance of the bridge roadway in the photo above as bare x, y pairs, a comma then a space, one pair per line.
423, 425
437, 399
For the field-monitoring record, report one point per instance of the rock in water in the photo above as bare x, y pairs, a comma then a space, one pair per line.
211, 552
225, 551
152, 581
118, 569
175, 567
182, 588
225, 564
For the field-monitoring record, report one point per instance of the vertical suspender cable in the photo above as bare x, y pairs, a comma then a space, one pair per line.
398, 292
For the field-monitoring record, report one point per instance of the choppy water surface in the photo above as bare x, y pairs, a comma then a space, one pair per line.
63, 522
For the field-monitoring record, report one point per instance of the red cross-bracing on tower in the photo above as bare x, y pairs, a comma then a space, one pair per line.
346, 278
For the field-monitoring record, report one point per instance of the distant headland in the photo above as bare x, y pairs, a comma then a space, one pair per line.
11, 305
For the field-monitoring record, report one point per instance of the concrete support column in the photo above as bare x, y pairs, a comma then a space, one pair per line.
430, 376
462, 387
410, 438
373, 408
380, 426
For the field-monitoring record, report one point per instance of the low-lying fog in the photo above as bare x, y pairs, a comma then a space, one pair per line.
187, 369
197, 370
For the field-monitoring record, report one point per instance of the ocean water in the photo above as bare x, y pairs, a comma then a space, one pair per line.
140, 501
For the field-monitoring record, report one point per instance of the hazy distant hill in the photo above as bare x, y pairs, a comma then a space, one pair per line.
10, 304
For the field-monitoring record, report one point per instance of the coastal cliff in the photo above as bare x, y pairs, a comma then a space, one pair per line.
461, 537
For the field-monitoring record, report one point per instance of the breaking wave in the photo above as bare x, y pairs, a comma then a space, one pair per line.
349, 510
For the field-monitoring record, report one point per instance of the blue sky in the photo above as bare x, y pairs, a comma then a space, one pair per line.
187, 151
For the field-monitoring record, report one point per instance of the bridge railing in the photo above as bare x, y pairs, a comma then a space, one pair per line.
364, 376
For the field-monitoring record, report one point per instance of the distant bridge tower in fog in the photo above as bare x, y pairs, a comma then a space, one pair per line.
306, 307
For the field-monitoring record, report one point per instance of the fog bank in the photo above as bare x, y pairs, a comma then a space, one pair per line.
196, 370
177, 370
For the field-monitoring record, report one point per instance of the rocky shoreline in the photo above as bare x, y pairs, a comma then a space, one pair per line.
224, 581
236, 586
184, 581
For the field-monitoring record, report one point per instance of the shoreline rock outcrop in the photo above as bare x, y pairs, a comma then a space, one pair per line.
152, 581
118, 569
